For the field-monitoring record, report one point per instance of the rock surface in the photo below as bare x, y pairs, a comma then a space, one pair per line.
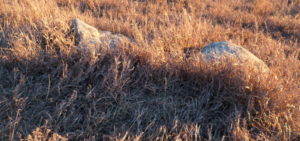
89, 39
227, 52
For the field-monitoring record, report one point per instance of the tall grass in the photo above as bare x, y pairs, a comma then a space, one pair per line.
148, 91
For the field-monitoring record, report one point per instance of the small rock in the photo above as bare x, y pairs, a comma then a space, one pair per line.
89, 39
231, 53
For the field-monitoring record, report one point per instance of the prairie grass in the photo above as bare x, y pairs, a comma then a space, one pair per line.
148, 90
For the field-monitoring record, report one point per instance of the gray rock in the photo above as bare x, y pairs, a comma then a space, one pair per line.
89, 39
226, 52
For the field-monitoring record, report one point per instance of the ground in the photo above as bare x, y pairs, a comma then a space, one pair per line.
148, 90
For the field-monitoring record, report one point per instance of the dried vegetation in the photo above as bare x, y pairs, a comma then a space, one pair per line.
149, 91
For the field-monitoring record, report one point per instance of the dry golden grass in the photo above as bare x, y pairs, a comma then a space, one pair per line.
49, 91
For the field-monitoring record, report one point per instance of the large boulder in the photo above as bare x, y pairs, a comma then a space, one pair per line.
91, 40
229, 53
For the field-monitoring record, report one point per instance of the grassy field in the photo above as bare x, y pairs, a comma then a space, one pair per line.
148, 90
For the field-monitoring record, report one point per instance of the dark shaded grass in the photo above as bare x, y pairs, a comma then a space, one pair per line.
120, 92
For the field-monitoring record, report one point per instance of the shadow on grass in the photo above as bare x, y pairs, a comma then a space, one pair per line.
121, 94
